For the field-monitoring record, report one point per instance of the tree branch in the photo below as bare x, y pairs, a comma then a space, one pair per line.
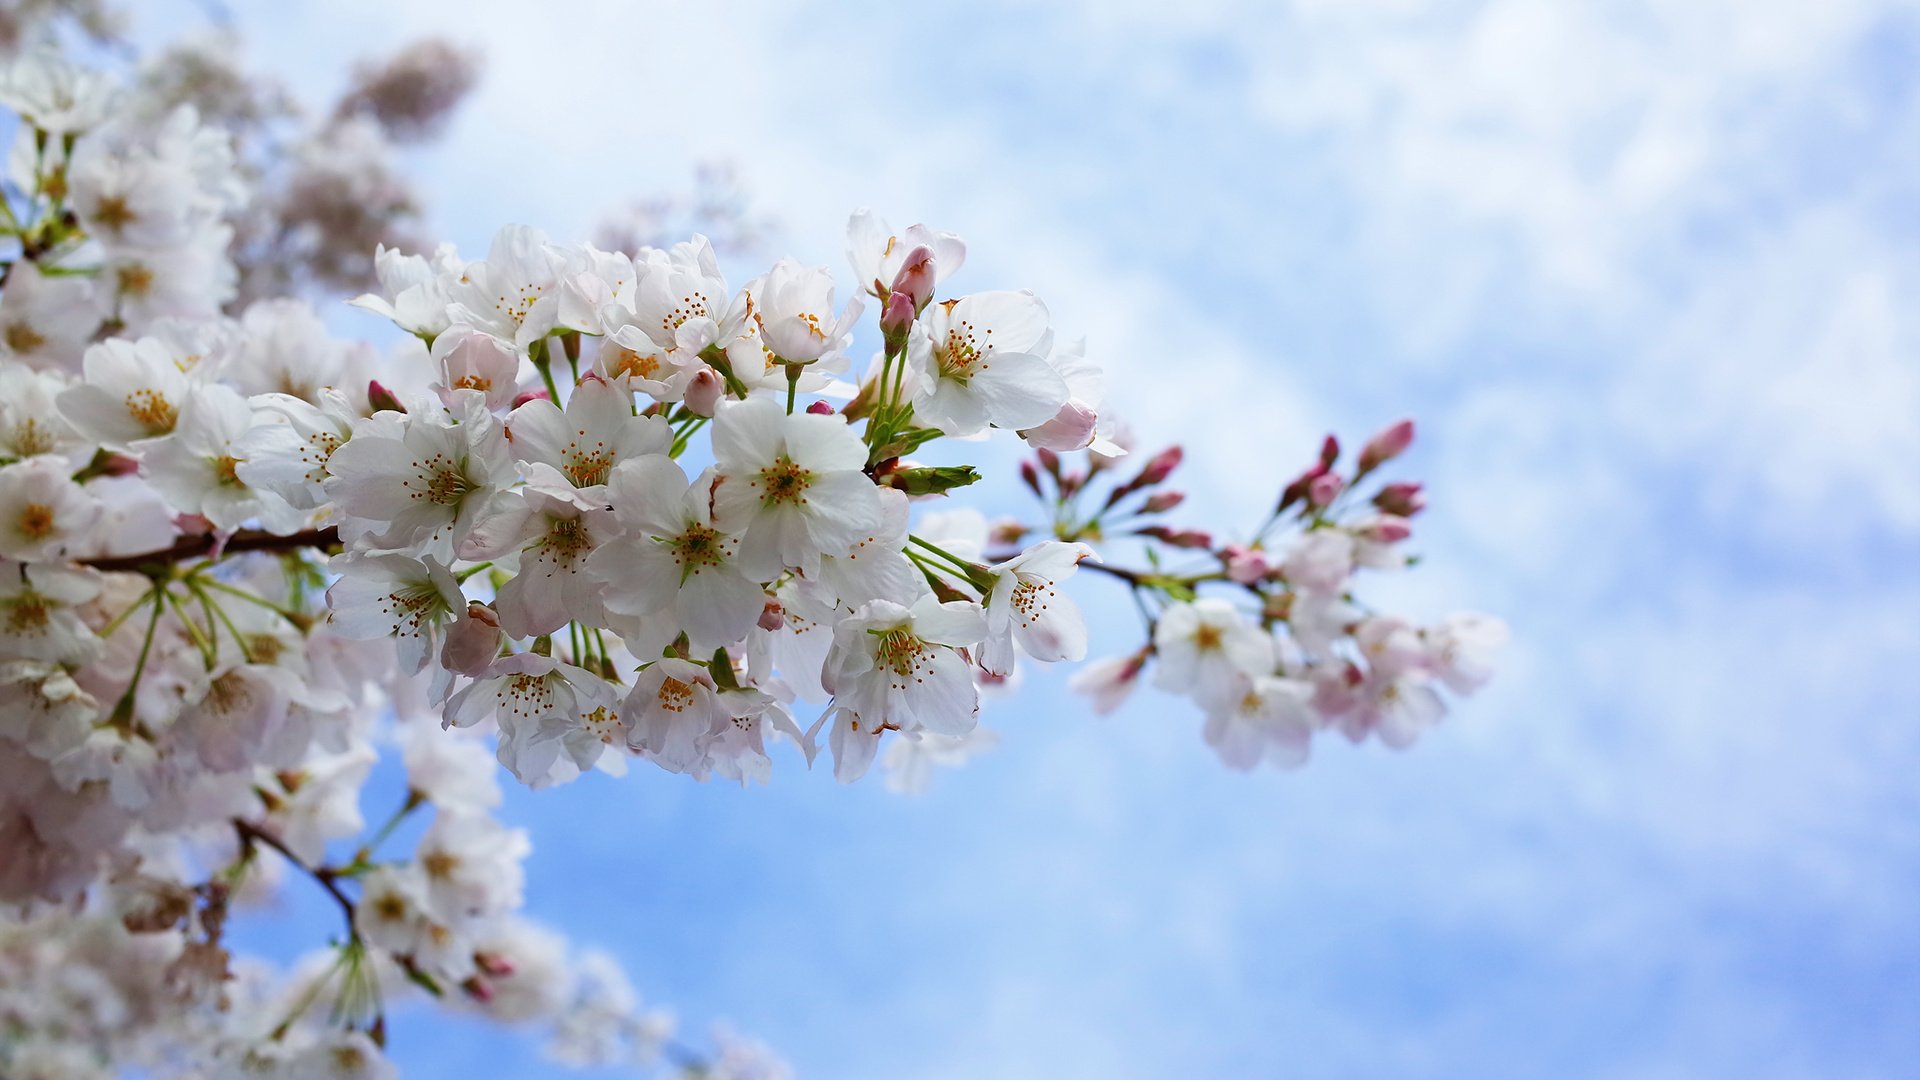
193, 547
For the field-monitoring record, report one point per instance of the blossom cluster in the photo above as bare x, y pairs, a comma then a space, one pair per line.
593, 508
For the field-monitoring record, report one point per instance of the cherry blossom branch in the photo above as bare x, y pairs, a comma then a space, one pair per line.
193, 547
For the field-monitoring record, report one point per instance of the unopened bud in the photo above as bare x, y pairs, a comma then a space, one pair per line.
703, 392
1390, 443
915, 279
1007, 532
1386, 529
820, 408
1403, 499
896, 322
381, 399
493, 964
472, 642
772, 615
1324, 488
1329, 453
1158, 468
1162, 501
111, 464
1180, 538
1030, 476
478, 989
1244, 564
538, 393
1049, 461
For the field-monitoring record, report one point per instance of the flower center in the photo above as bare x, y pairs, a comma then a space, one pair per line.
587, 464
113, 213
151, 410
22, 338
625, 361
904, 654
965, 356
30, 438
783, 483
1207, 637
135, 279
36, 521
675, 696
698, 548
223, 468
446, 484
27, 615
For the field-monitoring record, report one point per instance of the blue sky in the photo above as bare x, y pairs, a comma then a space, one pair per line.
1646, 278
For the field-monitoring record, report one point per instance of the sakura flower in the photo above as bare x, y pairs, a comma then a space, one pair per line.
912, 758
554, 536
197, 467
672, 558
466, 358
231, 717
39, 619
792, 484
391, 913
30, 422
982, 361
572, 452
511, 294
1397, 707
893, 666
1023, 606
54, 94
471, 866
342, 1055
1461, 649
431, 485
43, 709
380, 596
132, 390
47, 321
671, 710
43, 513
286, 450
284, 348
1205, 647
1320, 562
794, 311
525, 688
415, 293
1109, 681
1270, 718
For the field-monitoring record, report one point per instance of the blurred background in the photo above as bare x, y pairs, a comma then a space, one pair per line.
1646, 276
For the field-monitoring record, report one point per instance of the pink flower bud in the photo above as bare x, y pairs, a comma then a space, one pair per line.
1324, 488
1329, 453
772, 615
381, 399
1386, 529
896, 322
1390, 443
704, 391
915, 279
493, 964
1049, 461
1403, 499
1007, 532
117, 465
1158, 468
538, 393
1180, 538
1246, 565
1030, 476
820, 408
478, 989
472, 642
1162, 501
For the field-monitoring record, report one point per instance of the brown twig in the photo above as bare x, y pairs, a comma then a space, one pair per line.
193, 547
